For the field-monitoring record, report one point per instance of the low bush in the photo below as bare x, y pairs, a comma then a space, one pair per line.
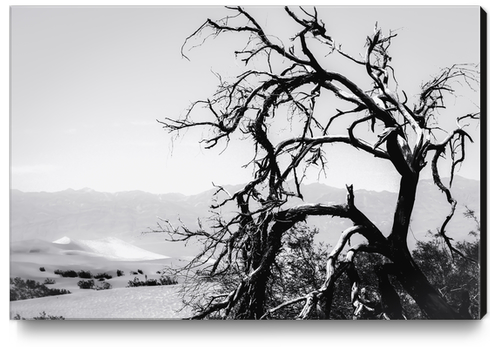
102, 276
104, 286
151, 282
42, 269
135, 283
120, 273
86, 284
67, 273
42, 316
49, 281
167, 280
29, 289
55, 291
140, 271
90, 284
70, 273
162, 281
84, 274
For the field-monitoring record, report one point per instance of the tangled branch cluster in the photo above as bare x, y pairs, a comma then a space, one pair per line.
244, 247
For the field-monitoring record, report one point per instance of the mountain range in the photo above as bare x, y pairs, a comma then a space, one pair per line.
130, 216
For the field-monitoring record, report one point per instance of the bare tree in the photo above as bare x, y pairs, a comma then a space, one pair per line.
381, 124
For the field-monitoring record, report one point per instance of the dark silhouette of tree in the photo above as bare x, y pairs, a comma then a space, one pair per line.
287, 82
457, 279
390, 300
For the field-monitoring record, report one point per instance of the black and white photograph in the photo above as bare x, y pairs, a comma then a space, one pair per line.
247, 163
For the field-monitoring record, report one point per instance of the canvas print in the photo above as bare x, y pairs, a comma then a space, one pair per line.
247, 163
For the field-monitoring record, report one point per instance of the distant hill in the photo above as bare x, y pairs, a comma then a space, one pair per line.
87, 214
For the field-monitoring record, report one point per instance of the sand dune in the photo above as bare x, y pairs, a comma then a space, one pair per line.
103, 255
108, 247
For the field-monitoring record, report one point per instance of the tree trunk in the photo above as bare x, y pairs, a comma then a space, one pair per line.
252, 304
416, 284
408, 273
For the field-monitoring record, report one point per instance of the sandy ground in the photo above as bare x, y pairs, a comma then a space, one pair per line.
161, 302
108, 255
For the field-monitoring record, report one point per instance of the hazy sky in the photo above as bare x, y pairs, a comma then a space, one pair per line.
87, 85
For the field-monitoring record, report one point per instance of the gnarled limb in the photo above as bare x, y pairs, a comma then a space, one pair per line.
245, 246
439, 149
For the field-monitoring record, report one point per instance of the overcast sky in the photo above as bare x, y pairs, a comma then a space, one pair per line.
87, 85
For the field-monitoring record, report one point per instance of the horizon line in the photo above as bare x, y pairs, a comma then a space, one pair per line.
88, 189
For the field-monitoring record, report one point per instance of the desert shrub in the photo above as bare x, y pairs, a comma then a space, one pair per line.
104, 286
102, 276
90, 284
84, 274
162, 281
133, 272
135, 283
42, 269
151, 282
49, 281
42, 316
83, 284
70, 273
67, 273
31, 284
120, 273
167, 280
28, 289
140, 271
56, 291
